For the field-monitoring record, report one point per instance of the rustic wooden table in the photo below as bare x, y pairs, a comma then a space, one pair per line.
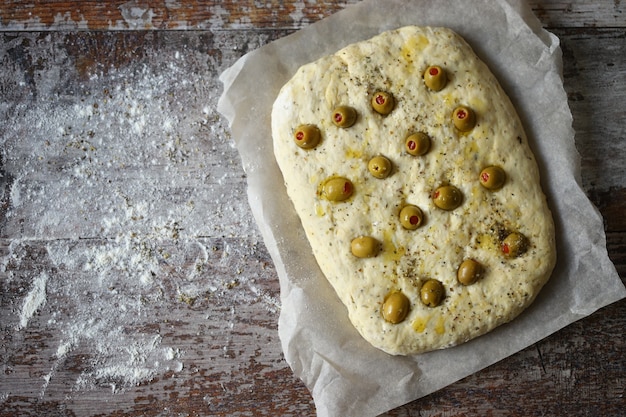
133, 280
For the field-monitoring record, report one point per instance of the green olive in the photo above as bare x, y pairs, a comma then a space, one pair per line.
396, 307
435, 78
307, 136
432, 293
411, 217
379, 166
492, 177
337, 189
344, 116
464, 118
417, 143
383, 102
514, 245
469, 272
365, 247
447, 197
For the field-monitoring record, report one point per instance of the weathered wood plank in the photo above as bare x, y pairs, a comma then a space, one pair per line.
562, 375
133, 15
290, 14
595, 79
209, 339
580, 13
616, 247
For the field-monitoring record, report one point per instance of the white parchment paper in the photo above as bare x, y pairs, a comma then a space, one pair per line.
346, 376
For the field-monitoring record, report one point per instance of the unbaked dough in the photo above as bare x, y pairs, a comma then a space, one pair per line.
507, 229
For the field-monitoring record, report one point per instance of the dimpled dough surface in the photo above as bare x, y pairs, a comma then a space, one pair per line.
394, 62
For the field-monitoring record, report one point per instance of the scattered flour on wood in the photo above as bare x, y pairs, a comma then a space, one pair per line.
35, 298
134, 188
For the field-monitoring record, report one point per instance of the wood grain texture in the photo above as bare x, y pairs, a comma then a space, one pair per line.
137, 15
229, 14
159, 301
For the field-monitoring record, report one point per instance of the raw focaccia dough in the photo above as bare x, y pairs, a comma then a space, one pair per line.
394, 62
